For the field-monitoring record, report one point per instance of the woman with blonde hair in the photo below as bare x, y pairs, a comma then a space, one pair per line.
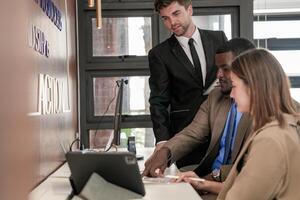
268, 166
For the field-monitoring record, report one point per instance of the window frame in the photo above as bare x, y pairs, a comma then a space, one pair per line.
117, 62
277, 44
90, 67
107, 121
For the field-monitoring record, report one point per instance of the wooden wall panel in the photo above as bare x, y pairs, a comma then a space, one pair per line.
32, 144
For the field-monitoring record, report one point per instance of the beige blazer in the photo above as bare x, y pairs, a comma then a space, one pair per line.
268, 166
208, 124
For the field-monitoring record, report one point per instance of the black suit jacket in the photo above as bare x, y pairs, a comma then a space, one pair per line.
176, 92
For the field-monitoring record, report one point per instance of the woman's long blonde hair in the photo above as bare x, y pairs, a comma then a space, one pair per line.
269, 86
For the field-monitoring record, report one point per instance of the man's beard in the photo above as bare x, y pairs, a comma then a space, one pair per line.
226, 89
226, 92
181, 32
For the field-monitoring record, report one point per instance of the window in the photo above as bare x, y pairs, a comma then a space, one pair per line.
295, 92
287, 59
278, 33
135, 95
116, 51
215, 22
122, 36
144, 137
280, 29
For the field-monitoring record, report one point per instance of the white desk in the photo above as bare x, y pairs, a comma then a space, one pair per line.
57, 186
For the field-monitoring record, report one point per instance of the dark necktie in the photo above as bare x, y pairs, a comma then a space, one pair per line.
196, 61
229, 134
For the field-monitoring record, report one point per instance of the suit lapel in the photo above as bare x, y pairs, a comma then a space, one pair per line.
243, 132
209, 56
182, 57
220, 121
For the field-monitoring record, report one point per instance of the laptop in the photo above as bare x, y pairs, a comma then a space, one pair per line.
119, 168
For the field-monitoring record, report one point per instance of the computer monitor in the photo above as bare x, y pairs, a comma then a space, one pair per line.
118, 111
114, 139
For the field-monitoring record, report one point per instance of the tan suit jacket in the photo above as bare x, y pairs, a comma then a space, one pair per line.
208, 124
268, 166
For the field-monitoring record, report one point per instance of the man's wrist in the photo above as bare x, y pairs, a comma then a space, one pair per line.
161, 142
159, 145
167, 152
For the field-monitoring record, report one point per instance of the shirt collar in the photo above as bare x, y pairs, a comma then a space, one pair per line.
184, 40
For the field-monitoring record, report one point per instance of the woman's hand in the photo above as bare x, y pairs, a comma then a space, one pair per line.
184, 176
200, 186
190, 177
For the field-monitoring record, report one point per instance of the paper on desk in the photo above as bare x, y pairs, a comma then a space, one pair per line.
151, 180
166, 179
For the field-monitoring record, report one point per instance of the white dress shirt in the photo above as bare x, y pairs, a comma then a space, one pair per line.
183, 41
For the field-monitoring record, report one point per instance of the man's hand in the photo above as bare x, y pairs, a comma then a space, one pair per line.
158, 147
156, 165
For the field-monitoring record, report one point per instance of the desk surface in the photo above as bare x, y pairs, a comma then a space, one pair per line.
57, 186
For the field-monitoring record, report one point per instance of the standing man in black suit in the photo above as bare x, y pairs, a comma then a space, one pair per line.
181, 70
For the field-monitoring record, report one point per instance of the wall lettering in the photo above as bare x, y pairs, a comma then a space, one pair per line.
50, 98
51, 11
39, 42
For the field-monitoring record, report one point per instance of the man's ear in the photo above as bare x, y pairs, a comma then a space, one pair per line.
190, 9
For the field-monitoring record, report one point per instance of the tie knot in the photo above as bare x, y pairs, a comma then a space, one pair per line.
191, 41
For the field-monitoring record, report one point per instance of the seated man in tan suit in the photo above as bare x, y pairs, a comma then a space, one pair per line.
217, 120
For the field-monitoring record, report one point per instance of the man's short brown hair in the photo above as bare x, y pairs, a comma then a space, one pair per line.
160, 4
